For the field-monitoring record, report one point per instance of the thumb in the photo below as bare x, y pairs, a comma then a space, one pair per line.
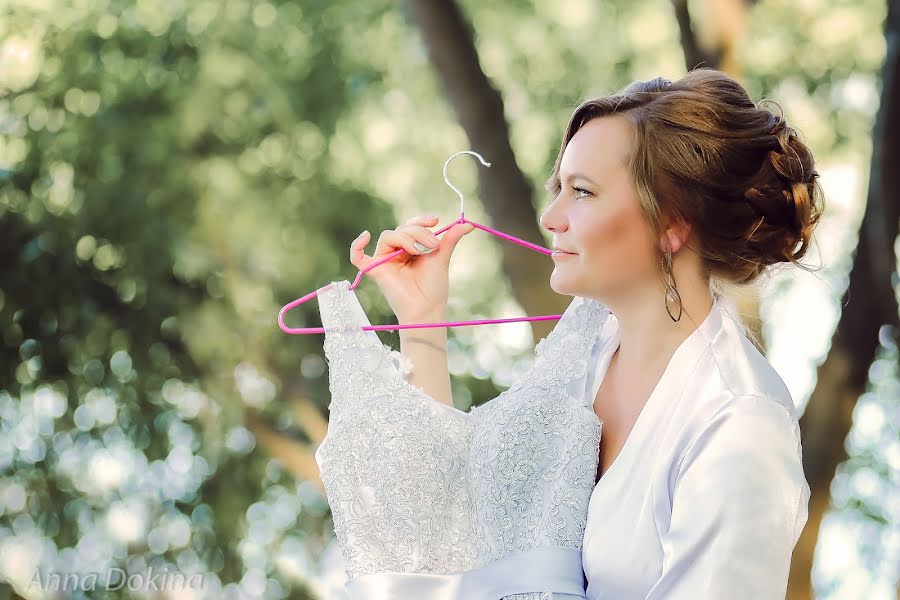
451, 237
462, 229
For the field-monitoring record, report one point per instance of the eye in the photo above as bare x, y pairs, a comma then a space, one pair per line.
578, 189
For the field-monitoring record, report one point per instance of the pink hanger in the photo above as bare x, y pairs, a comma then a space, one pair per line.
462, 219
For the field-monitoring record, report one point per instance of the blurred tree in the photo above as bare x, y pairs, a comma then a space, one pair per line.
873, 317
172, 173
870, 318
479, 108
717, 42
153, 166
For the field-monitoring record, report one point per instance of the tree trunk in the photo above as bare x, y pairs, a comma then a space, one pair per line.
507, 193
869, 303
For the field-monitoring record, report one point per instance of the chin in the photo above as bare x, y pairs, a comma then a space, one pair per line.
564, 283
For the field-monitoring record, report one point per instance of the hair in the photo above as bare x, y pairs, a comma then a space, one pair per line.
706, 155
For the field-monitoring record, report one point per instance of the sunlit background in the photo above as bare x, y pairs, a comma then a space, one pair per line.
172, 172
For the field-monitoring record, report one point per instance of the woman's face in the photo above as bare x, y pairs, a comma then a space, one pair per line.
597, 216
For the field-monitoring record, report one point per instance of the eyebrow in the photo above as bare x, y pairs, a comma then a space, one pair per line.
578, 176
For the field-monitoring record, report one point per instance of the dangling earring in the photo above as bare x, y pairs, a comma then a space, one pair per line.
672, 294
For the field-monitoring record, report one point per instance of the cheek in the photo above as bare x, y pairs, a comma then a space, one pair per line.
619, 242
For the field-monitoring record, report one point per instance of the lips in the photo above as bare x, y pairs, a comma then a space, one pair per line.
561, 251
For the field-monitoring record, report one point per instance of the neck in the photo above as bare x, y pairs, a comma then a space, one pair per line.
648, 335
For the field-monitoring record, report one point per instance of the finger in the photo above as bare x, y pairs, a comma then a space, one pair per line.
422, 235
422, 220
452, 237
393, 239
463, 228
358, 256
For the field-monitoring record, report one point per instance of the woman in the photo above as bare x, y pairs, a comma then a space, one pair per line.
662, 193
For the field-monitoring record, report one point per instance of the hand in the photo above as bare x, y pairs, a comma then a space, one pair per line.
414, 283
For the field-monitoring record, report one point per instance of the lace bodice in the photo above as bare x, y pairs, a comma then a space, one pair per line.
432, 501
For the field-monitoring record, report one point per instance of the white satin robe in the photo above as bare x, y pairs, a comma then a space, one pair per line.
707, 498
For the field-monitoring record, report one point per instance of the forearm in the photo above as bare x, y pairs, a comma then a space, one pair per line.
426, 348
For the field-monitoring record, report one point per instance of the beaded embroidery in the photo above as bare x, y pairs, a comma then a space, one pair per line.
417, 486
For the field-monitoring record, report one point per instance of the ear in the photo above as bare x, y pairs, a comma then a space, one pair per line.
675, 235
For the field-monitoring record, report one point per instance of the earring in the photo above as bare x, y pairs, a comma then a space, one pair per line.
672, 294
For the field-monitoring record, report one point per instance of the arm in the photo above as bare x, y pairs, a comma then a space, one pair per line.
738, 507
426, 348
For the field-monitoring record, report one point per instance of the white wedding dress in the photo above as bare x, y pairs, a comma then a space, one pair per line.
431, 502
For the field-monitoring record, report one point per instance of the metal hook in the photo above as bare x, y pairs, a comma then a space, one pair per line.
453, 187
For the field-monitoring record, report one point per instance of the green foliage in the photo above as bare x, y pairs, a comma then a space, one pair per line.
161, 192
172, 173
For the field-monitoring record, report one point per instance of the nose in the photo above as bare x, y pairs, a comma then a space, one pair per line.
553, 218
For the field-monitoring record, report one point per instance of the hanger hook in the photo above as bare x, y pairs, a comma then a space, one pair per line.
453, 187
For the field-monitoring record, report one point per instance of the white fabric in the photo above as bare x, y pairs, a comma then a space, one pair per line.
430, 501
707, 498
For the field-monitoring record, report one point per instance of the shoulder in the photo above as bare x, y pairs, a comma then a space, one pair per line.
742, 370
745, 425
733, 390
747, 450
747, 456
